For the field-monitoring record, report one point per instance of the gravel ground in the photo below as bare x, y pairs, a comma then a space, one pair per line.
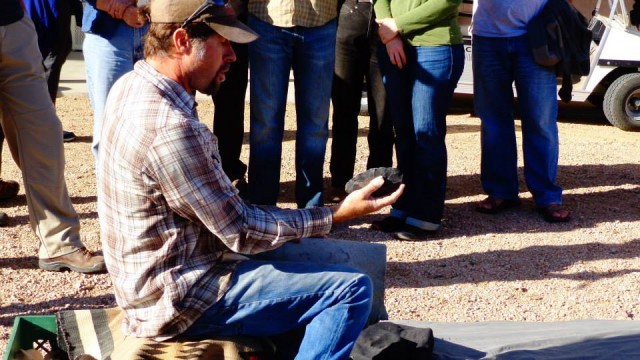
511, 266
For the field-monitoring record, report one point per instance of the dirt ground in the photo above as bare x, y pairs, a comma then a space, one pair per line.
511, 266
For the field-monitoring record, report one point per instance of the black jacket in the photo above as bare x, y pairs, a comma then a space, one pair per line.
10, 12
559, 37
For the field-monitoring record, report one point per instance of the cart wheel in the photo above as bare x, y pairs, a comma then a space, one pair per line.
621, 103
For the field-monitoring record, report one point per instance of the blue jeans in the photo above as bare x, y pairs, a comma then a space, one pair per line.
310, 52
418, 98
106, 60
497, 63
268, 298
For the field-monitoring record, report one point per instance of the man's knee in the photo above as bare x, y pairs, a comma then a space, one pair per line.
361, 290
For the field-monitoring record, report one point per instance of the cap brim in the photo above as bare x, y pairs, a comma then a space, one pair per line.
234, 31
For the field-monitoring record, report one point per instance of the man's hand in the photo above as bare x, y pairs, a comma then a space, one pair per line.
387, 29
133, 17
360, 202
115, 8
395, 49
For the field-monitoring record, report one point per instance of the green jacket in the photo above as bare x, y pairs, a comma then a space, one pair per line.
423, 22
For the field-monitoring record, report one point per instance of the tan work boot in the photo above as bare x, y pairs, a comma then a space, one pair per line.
81, 260
8, 189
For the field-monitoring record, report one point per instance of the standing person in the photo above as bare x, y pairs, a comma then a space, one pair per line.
228, 118
52, 19
172, 223
113, 42
298, 35
34, 136
357, 42
502, 56
421, 63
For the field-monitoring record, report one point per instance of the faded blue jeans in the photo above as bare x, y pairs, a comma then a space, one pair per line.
497, 63
267, 298
418, 98
310, 52
106, 60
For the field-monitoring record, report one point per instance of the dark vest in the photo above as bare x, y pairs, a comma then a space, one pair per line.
10, 12
559, 38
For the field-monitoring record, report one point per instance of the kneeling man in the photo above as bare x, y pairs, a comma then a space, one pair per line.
173, 225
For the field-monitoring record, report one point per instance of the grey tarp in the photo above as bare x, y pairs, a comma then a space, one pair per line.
580, 339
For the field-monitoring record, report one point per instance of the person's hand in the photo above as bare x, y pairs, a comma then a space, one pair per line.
395, 50
360, 202
133, 17
387, 29
117, 8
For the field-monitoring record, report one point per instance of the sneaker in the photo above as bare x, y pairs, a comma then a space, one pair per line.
4, 219
68, 136
8, 189
389, 224
413, 233
81, 260
337, 194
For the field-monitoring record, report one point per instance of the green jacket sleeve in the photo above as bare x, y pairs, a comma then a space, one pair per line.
429, 13
382, 8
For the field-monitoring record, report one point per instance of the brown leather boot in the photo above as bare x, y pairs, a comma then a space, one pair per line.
8, 189
81, 260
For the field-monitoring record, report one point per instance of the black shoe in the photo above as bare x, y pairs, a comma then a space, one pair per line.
389, 224
4, 219
413, 233
337, 194
68, 136
8, 189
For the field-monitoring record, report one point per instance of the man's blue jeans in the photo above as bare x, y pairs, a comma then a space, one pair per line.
310, 52
268, 298
418, 98
106, 60
497, 63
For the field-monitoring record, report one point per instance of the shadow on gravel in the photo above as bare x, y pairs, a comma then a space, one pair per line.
84, 140
569, 176
532, 263
618, 204
21, 200
28, 262
588, 211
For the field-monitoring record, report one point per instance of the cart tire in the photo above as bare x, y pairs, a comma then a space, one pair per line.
621, 103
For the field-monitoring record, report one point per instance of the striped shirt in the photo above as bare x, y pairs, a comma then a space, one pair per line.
169, 216
289, 13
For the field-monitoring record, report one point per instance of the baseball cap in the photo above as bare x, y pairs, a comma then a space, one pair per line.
215, 13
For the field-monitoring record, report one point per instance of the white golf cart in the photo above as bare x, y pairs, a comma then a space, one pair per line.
614, 80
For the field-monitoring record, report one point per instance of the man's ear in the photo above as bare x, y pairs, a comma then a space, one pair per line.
181, 41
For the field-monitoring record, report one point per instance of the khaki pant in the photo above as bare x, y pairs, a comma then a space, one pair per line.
34, 136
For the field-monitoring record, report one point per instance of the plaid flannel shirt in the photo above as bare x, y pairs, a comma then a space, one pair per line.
289, 13
168, 213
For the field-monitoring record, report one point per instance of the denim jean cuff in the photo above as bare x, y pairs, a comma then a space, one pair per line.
398, 214
424, 225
